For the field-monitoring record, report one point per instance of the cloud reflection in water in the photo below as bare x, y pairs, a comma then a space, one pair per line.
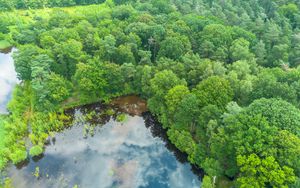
119, 155
8, 79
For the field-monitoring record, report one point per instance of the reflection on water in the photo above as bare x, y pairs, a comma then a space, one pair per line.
8, 79
125, 155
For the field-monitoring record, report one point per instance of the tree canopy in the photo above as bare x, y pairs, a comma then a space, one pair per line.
222, 77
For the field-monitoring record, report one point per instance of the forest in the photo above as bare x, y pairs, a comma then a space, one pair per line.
222, 76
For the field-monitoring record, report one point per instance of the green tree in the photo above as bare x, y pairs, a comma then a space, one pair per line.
174, 47
260, 172
67, 54
159, 86
208, 94
183, 140
187, 113
278, 113
123, 54
91, 81
207, 183
22, 60
175, 96
239, 50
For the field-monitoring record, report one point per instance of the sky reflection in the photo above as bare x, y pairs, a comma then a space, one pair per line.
8, 79
123, 155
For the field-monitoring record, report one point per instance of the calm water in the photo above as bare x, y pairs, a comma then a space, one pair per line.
129, 154
8, 79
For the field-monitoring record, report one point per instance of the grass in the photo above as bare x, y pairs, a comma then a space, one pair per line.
4, 44
19, 17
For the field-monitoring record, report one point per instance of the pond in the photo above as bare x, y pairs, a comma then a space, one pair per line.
133, 153
8, 78
129, 154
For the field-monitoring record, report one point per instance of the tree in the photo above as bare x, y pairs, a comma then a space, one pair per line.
22, 60
288, 149
279, 113
49, 88
257, 172
107, 48
260, 52
290, 11
159, 86
123, 54
268, 86
122, 12
239, 50
279, 54
207, 94
217, 38
174, 47
187, 113
58, 87
145, 57
91, 81
113, 75
174, 97
258, 129
183, 140
164, 81
207, 183
67, 54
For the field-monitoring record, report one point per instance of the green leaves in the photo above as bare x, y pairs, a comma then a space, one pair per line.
36, 150
174, 97
257, 172
208, 94
279, 113
90, 80
184, 142
174, 47
18, 155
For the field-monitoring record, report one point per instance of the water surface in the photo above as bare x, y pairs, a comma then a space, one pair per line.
129, 154
8, 79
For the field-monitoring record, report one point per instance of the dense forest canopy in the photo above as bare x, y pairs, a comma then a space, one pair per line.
221, 75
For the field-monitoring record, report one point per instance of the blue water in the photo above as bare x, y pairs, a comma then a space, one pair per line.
123, 155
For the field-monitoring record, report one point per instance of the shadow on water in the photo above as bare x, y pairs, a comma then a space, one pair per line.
6, 50
129, 154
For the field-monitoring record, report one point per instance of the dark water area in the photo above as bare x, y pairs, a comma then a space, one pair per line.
134, 153
8, 78
132, 105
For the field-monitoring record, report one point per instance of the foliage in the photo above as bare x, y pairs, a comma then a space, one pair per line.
207, 182
222, 77
36, 150
262, 172
207, 94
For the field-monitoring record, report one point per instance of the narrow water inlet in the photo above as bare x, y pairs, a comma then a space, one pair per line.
8, 78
